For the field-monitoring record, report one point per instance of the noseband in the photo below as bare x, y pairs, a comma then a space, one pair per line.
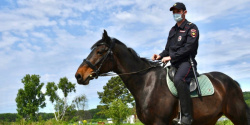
101, 61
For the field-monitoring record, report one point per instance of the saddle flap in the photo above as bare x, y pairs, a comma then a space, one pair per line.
171, 72
193, 85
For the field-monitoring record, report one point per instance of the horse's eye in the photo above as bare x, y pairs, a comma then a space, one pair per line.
99, 52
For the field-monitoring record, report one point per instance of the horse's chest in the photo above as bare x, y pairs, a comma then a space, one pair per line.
145, 115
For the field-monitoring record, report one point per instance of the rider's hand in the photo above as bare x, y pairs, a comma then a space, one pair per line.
166, 59
156, 57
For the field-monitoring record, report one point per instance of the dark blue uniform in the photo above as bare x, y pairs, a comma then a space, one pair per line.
183, 42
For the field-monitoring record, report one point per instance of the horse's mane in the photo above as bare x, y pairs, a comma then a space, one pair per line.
237, 83
132, 51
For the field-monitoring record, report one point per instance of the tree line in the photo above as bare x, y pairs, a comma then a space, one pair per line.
85, 114
30, 98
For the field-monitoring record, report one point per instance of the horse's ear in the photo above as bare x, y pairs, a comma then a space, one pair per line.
105, 35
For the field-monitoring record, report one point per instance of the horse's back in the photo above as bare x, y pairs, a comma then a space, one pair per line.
225, 86
226, 82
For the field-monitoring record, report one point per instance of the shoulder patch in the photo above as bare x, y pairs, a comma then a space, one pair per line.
193, 33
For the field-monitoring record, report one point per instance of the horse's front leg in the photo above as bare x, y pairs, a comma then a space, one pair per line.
163, 122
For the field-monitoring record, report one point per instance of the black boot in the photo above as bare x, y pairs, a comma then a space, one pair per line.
186, 103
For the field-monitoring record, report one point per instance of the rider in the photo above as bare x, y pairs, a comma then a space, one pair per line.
181, 44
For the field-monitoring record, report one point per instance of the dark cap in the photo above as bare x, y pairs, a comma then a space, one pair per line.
179, 6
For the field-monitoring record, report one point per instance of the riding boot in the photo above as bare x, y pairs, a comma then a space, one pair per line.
185, 102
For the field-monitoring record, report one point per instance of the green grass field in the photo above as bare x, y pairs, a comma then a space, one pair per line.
53, 122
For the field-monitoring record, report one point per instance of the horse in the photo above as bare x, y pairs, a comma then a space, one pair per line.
146, 80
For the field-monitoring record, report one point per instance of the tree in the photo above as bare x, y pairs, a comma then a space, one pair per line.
60, 105
114, 89
30, 98
51, 91
80, 102
70, 113
94, 113
118, 111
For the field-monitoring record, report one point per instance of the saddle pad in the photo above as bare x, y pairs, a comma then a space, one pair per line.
206, 86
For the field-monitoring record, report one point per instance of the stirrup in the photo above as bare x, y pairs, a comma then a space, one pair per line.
177, 120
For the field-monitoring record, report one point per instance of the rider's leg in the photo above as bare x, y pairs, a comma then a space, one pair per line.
183, 73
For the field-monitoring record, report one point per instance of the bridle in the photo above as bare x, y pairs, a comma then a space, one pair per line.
96, 70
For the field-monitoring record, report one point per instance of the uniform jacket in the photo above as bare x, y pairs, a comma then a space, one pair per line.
182, 42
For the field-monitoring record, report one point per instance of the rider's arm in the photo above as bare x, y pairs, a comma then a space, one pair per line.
165, 52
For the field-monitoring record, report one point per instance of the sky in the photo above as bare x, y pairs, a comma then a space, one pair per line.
50, 38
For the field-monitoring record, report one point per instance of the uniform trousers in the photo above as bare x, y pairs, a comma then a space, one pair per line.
182, 80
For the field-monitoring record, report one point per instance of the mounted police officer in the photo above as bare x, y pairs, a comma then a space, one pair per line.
182, 44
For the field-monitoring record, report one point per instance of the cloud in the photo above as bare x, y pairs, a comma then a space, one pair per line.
226, 50
212, 9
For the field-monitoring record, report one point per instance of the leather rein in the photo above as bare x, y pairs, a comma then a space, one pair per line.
102, 60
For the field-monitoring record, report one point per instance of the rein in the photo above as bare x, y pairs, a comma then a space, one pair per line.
129, 73
135, 72
97, 70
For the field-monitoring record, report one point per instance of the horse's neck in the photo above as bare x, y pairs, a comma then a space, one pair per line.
126, 63
135, 82
147, 87
129, 65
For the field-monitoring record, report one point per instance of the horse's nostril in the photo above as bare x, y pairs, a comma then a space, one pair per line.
78, 76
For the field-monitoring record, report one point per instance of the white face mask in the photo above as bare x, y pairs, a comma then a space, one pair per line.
177, 17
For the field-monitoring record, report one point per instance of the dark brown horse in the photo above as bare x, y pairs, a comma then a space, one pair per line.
146, 80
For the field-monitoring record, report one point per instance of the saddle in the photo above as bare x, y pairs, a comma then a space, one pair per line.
171, 73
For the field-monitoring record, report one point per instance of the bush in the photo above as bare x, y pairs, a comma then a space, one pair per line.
97, 120
74, 119
226, 122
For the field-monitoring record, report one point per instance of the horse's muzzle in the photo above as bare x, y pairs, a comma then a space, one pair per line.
80, 79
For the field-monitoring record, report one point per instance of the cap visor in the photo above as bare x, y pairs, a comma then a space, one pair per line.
171, 9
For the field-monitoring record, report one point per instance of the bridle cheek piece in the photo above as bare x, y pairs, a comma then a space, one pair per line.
101, 61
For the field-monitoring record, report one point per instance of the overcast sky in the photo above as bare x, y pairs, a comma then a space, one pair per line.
50, 38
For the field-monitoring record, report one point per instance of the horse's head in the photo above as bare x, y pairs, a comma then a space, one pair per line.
97, 62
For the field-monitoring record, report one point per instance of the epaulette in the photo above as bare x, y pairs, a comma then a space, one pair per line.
189, 23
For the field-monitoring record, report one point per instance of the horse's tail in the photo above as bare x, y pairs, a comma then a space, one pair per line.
247, 108
248, 114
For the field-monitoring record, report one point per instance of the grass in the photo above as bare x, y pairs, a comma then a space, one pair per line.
54, 122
